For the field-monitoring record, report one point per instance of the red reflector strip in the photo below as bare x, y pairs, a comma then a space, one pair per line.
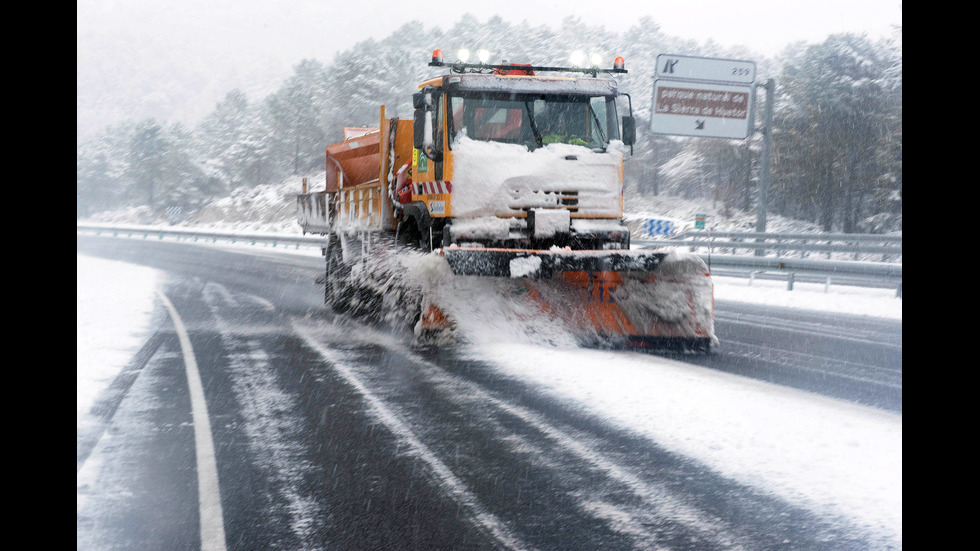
427, 188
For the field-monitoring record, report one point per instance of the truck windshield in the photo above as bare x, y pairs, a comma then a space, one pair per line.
534, 120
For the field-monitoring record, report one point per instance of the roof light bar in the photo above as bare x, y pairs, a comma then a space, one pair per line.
461, 67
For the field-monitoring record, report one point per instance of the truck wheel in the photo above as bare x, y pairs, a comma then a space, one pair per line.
409, 234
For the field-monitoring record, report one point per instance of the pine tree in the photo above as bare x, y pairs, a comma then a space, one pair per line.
145, 163
251, 160
100, 179
830, 126
296, 115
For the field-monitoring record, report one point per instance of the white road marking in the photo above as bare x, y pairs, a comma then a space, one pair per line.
209, 495
271, 414
443, 474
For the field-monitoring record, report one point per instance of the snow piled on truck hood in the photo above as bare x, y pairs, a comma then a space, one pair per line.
498, 179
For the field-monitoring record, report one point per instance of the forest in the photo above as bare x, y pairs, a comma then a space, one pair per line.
836, 130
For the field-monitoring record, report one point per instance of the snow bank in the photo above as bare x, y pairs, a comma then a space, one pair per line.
108, 291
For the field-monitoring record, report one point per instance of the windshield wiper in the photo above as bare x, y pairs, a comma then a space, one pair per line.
598, 126
534, 127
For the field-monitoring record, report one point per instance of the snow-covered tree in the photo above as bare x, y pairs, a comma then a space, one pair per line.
296, 115
251, 160
100, 183
831, 125
223, 126
145, 162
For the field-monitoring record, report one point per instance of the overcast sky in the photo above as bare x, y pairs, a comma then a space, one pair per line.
134, 45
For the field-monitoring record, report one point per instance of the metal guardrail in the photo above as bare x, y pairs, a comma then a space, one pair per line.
188, 234
790, 252
887, 274
869, 274
839, 267
886, 247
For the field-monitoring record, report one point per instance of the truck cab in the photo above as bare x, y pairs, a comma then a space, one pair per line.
511, 159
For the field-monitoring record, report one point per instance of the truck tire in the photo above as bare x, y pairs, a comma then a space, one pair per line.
409, 234
342, 294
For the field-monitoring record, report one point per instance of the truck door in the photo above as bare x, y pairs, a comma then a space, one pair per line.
438, 133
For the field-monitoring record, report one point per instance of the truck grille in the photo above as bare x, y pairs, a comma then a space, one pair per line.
537, 199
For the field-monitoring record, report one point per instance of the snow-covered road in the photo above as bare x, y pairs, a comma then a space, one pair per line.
833, 457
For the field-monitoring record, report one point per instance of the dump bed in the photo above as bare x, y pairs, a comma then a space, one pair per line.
355, 192
354, 161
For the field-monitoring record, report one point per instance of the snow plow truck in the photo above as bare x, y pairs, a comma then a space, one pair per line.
511, 174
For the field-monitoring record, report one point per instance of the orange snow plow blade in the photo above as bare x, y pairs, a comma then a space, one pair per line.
659, 300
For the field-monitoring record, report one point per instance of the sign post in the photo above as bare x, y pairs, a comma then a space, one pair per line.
712, 98
703, 97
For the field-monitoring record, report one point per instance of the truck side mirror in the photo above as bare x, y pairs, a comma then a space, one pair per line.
418, 128
422, 122
629, 130
422, 102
